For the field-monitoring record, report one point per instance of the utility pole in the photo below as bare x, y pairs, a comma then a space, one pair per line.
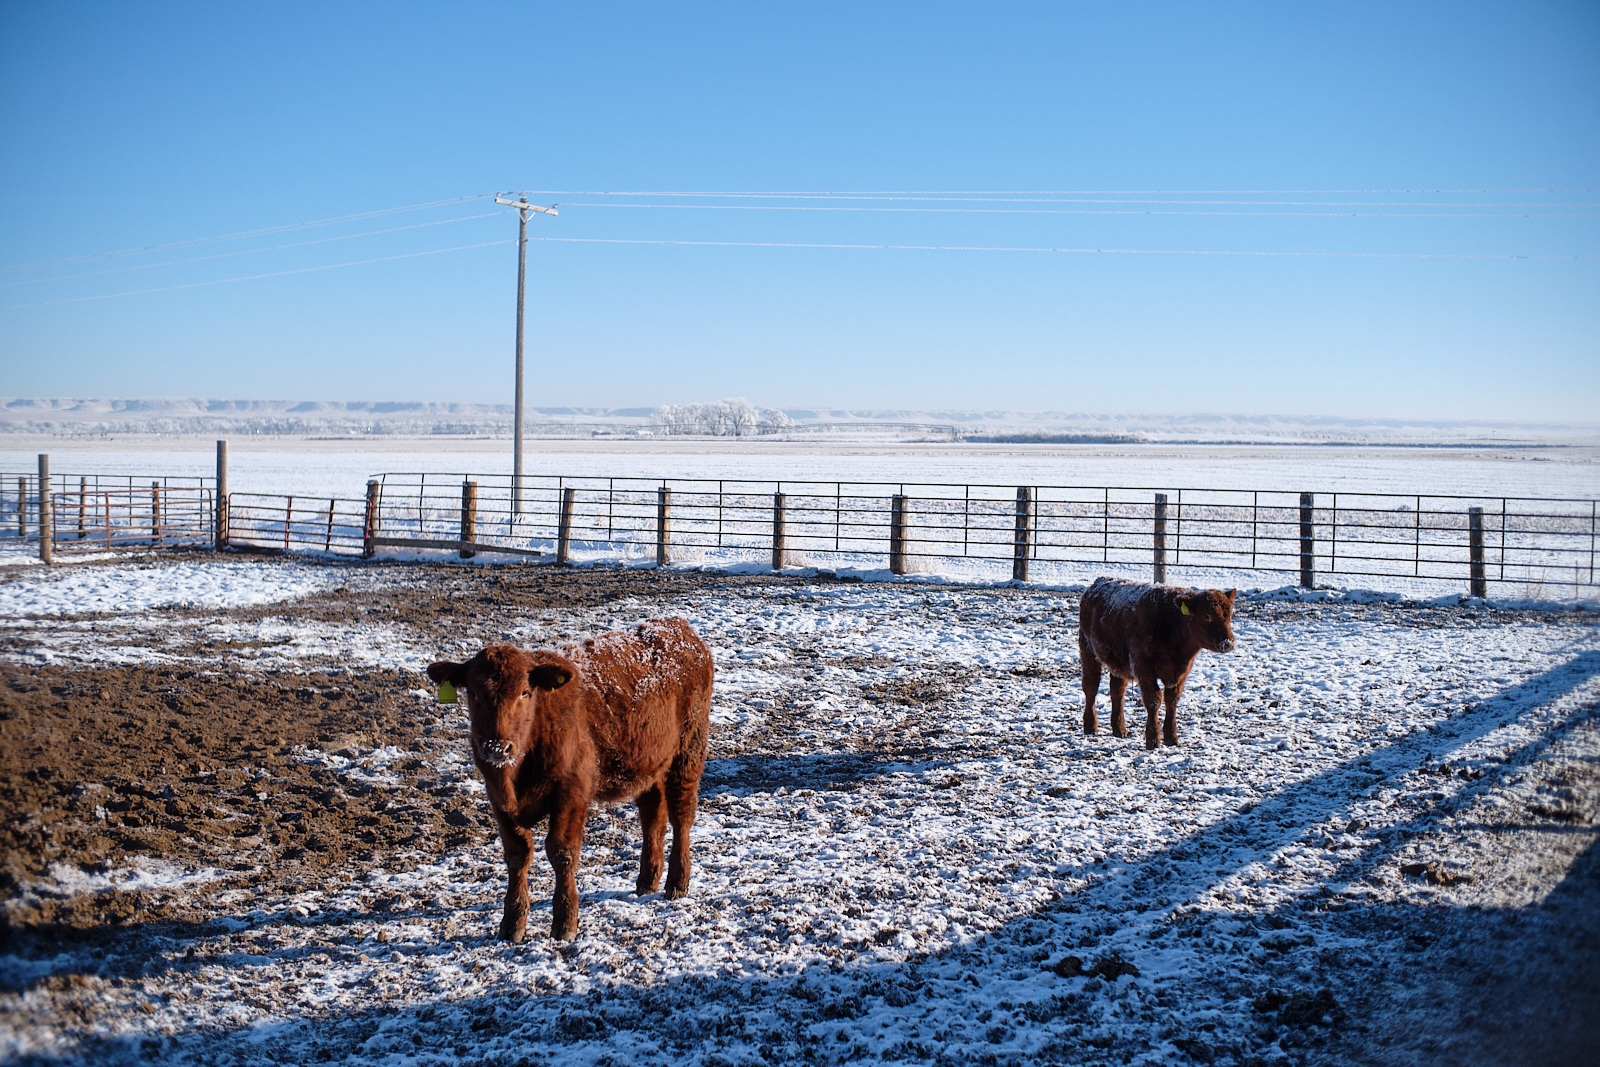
524, 211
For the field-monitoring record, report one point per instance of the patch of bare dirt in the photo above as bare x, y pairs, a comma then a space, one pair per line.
199, 766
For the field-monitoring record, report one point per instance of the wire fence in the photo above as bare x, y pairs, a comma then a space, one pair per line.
1524, 545
97, 511
317, 524
1520, 546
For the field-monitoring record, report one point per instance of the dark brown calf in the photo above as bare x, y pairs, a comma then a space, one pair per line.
622, 716
1147, 634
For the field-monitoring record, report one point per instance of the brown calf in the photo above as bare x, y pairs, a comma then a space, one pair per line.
1147, 634
622, 716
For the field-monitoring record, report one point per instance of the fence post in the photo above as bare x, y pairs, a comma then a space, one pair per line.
777, 531
22, 508
1159, 562
1308, 546
46, 527
222, 495
663, 526
564, 532
897, 534
288, 518
369, 524
327, 542
1021, 537
83, 489
469, 518
155, 513
1479, 587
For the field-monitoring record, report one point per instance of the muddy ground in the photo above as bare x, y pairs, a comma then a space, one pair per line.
196, 766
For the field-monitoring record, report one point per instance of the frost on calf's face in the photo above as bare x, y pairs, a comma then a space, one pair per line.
1210, 617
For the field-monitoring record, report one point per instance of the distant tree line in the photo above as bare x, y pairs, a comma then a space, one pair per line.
734, 417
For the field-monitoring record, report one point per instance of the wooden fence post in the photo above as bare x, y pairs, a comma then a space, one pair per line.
155, 513
221, 530
1159, 563
564, 530
897, 534
1308, 546
46, 527
469, 518
369, 524
327, 542
1479, 587
288, 518
1022, 535
663, 526
22, 508
83, 491
777, 531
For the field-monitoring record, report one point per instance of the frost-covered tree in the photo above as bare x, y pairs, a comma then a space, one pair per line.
774, 421
726, 418
738, 417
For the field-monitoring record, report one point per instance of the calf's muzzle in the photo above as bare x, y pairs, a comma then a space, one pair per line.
497, 753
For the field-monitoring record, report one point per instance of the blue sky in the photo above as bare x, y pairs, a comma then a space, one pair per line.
136, 126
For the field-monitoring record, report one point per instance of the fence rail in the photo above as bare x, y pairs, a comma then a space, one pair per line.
98, 511
322, 524
1535, 545
1515, 545
91, 520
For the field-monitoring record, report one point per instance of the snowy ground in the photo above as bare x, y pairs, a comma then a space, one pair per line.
907, 850
322, 469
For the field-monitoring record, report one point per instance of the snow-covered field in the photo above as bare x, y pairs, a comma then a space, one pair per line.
316, 470
907, 849
327, 469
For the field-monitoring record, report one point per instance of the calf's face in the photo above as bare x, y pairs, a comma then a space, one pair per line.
503, 686
1209, 615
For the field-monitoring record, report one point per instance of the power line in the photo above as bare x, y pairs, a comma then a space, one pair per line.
254, 277
997, 196
1097, 211
1106, 251
244, 234
249, 251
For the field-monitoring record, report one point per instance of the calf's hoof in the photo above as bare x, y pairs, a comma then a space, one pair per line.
1151, 741
563, 933
512, 931
675, 891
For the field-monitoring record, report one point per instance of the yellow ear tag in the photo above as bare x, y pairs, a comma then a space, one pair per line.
1183, 607
447, 693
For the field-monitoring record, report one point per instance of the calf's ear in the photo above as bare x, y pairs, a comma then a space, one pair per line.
1231, 594
549, 676
445, 671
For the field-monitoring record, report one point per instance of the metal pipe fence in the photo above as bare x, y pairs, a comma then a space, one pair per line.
97, 511
1528, 546
287, 523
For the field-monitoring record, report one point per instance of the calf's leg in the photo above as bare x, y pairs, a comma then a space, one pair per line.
1169, 728
1091, 687
561, 847
683, 798
1119, 689
653, 820
1150, 694
517, 843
